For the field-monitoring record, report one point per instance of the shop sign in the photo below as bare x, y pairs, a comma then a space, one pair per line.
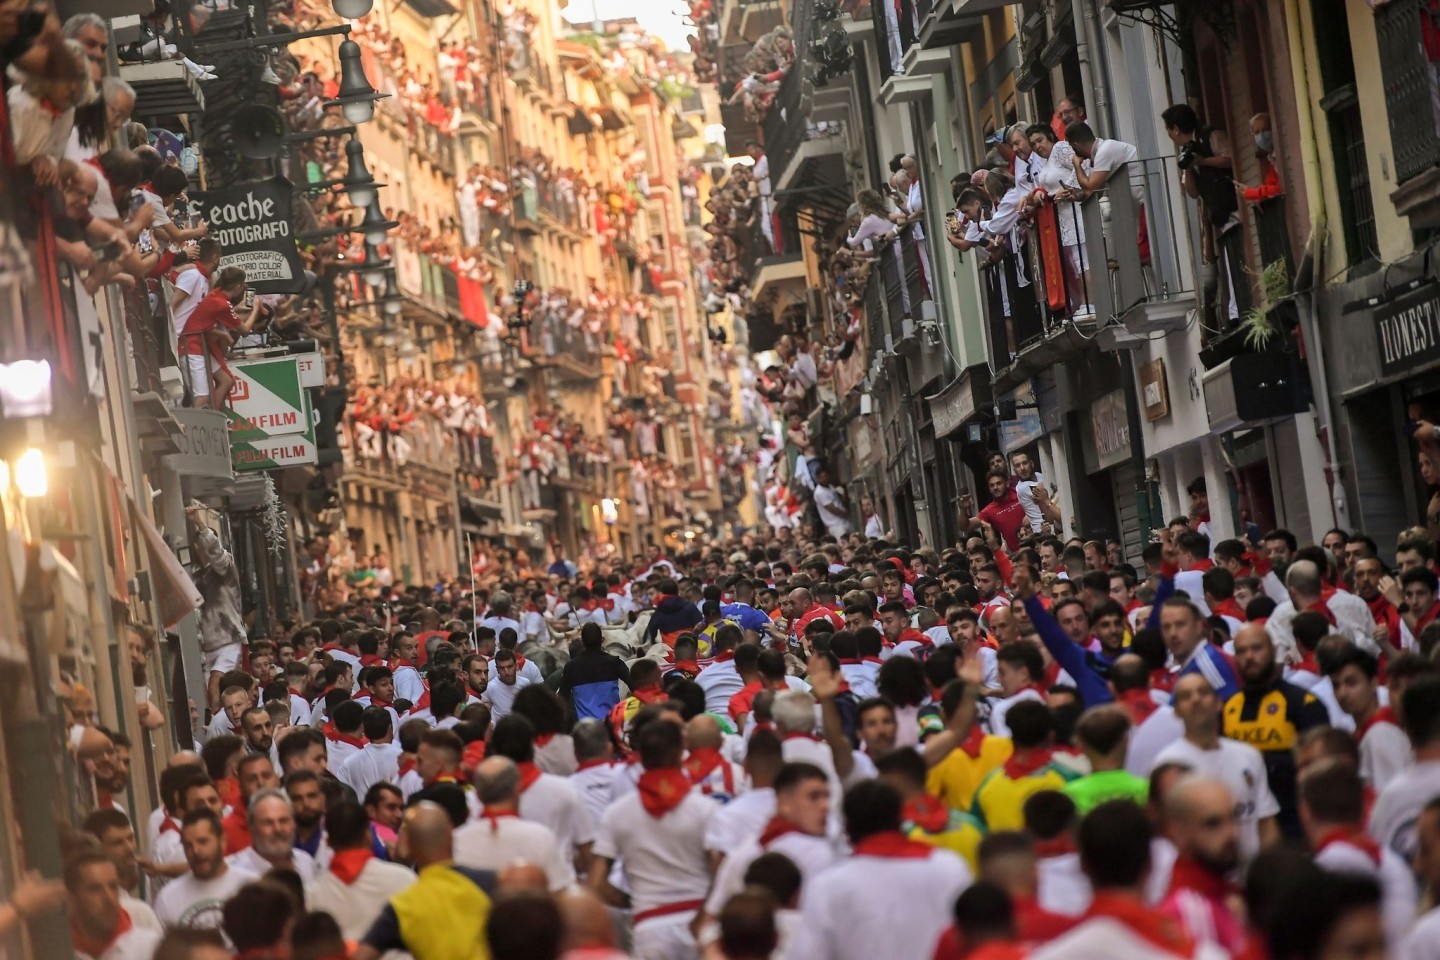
204, 444
272, 423
251, 222
1154, 390
312, 369
1407, 330
955, 405
1110, 426
1026, 427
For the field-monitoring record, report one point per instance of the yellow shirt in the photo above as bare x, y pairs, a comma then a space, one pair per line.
954, 779
962, 835
1002, 794
458, 895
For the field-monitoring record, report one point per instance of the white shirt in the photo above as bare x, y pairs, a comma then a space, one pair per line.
250, 861
1397, 809
1103, 938
1423, 941
36, 131
1352, 621
1106, 155
500, 623
408, 685
374, 763
866, 907
484, 845
1241, 768
196, 287
595, 784
812, 855
664, 859
1384, 753
720, 681
356, 906
554, 802
1398, 896
1025, 490
1155, 733
197, 904
557, 755
1000, 707
826, 499
1063, 887
140, 913
337, 752
137, 943
861, 677
501, 696
741, 818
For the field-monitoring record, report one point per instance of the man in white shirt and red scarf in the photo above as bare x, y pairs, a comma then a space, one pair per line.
658, 832
100, 928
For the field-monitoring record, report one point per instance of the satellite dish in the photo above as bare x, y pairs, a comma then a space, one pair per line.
258, 131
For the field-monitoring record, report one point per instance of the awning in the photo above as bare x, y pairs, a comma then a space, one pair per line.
174, 590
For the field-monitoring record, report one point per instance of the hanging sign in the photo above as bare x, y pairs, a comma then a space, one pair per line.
251, 222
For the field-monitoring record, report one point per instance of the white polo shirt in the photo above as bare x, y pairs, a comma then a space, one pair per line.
720, 681
740, 819
356, 905
595, 786
872, 906
501, 696
554, 802
664, 858
486, 845
812, 855
373, 763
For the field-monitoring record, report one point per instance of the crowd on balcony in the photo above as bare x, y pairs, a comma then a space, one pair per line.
765, 66
442, 422
556, 446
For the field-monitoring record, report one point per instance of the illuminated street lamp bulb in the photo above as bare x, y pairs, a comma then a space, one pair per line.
374, 272
30, 476
359, 185
374, 224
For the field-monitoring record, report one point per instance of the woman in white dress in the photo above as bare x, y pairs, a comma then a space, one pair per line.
1057, 179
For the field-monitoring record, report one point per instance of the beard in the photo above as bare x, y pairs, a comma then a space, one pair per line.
1221, 863
308, 820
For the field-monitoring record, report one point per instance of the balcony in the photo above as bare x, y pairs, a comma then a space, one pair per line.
908, 301
775, 249
527, 206
1140, 271
554, 343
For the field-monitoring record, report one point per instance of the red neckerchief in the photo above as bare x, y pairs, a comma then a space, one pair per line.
348, 864
371, 660
801, 736
103, 799
406, 765
1035, 924
1162, 680
474, 753
1138, 704
892, 844
1055, 846
1032, 760
90, 946
1322, 608
912, 634
1228, 608
398, 662
424, 702
724, 656
650, 693
1189, 875
1142, 920
1383, 715
1424, 620
519, 663
169, 825
495, 816
927, 813
777, 828
702, 762
1200, 566
376, 701
543, 739
335, 736
456, 776
973, 742
1353, 836
662, 790
54, 111
529, 773
687, 666
597, 762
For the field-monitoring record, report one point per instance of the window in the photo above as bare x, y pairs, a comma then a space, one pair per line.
1331, 28
1409, 86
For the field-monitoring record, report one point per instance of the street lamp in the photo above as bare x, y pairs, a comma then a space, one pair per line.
359, 185
352, 9
374, 225
520, 320
374, 270
357, 98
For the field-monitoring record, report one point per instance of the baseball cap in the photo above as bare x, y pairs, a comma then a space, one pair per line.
998, 136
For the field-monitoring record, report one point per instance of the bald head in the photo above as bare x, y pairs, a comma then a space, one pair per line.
184, 758
524, 876
587, 923
1193, 797
497, 781
703, 733
801, 599
1303, 580
1201, 821
426, 834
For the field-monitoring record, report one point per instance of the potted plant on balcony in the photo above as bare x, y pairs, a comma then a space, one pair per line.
1265, 327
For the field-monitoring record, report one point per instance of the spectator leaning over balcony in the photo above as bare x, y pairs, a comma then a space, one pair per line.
1057, 179
166, 185
1265, 153
1027, 164
96, 122
83, 240
91, 32
1207, 173
42, 112
907, 184
1095, 159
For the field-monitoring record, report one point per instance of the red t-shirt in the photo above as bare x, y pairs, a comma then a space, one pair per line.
214, 311
1006, 516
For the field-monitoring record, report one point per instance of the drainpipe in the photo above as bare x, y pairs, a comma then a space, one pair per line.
1092, 79
1315, 196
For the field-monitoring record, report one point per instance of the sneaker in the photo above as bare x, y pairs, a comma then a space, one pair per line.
269, 76
1084, 312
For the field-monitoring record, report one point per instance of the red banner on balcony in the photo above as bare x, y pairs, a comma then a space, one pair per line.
472, 301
